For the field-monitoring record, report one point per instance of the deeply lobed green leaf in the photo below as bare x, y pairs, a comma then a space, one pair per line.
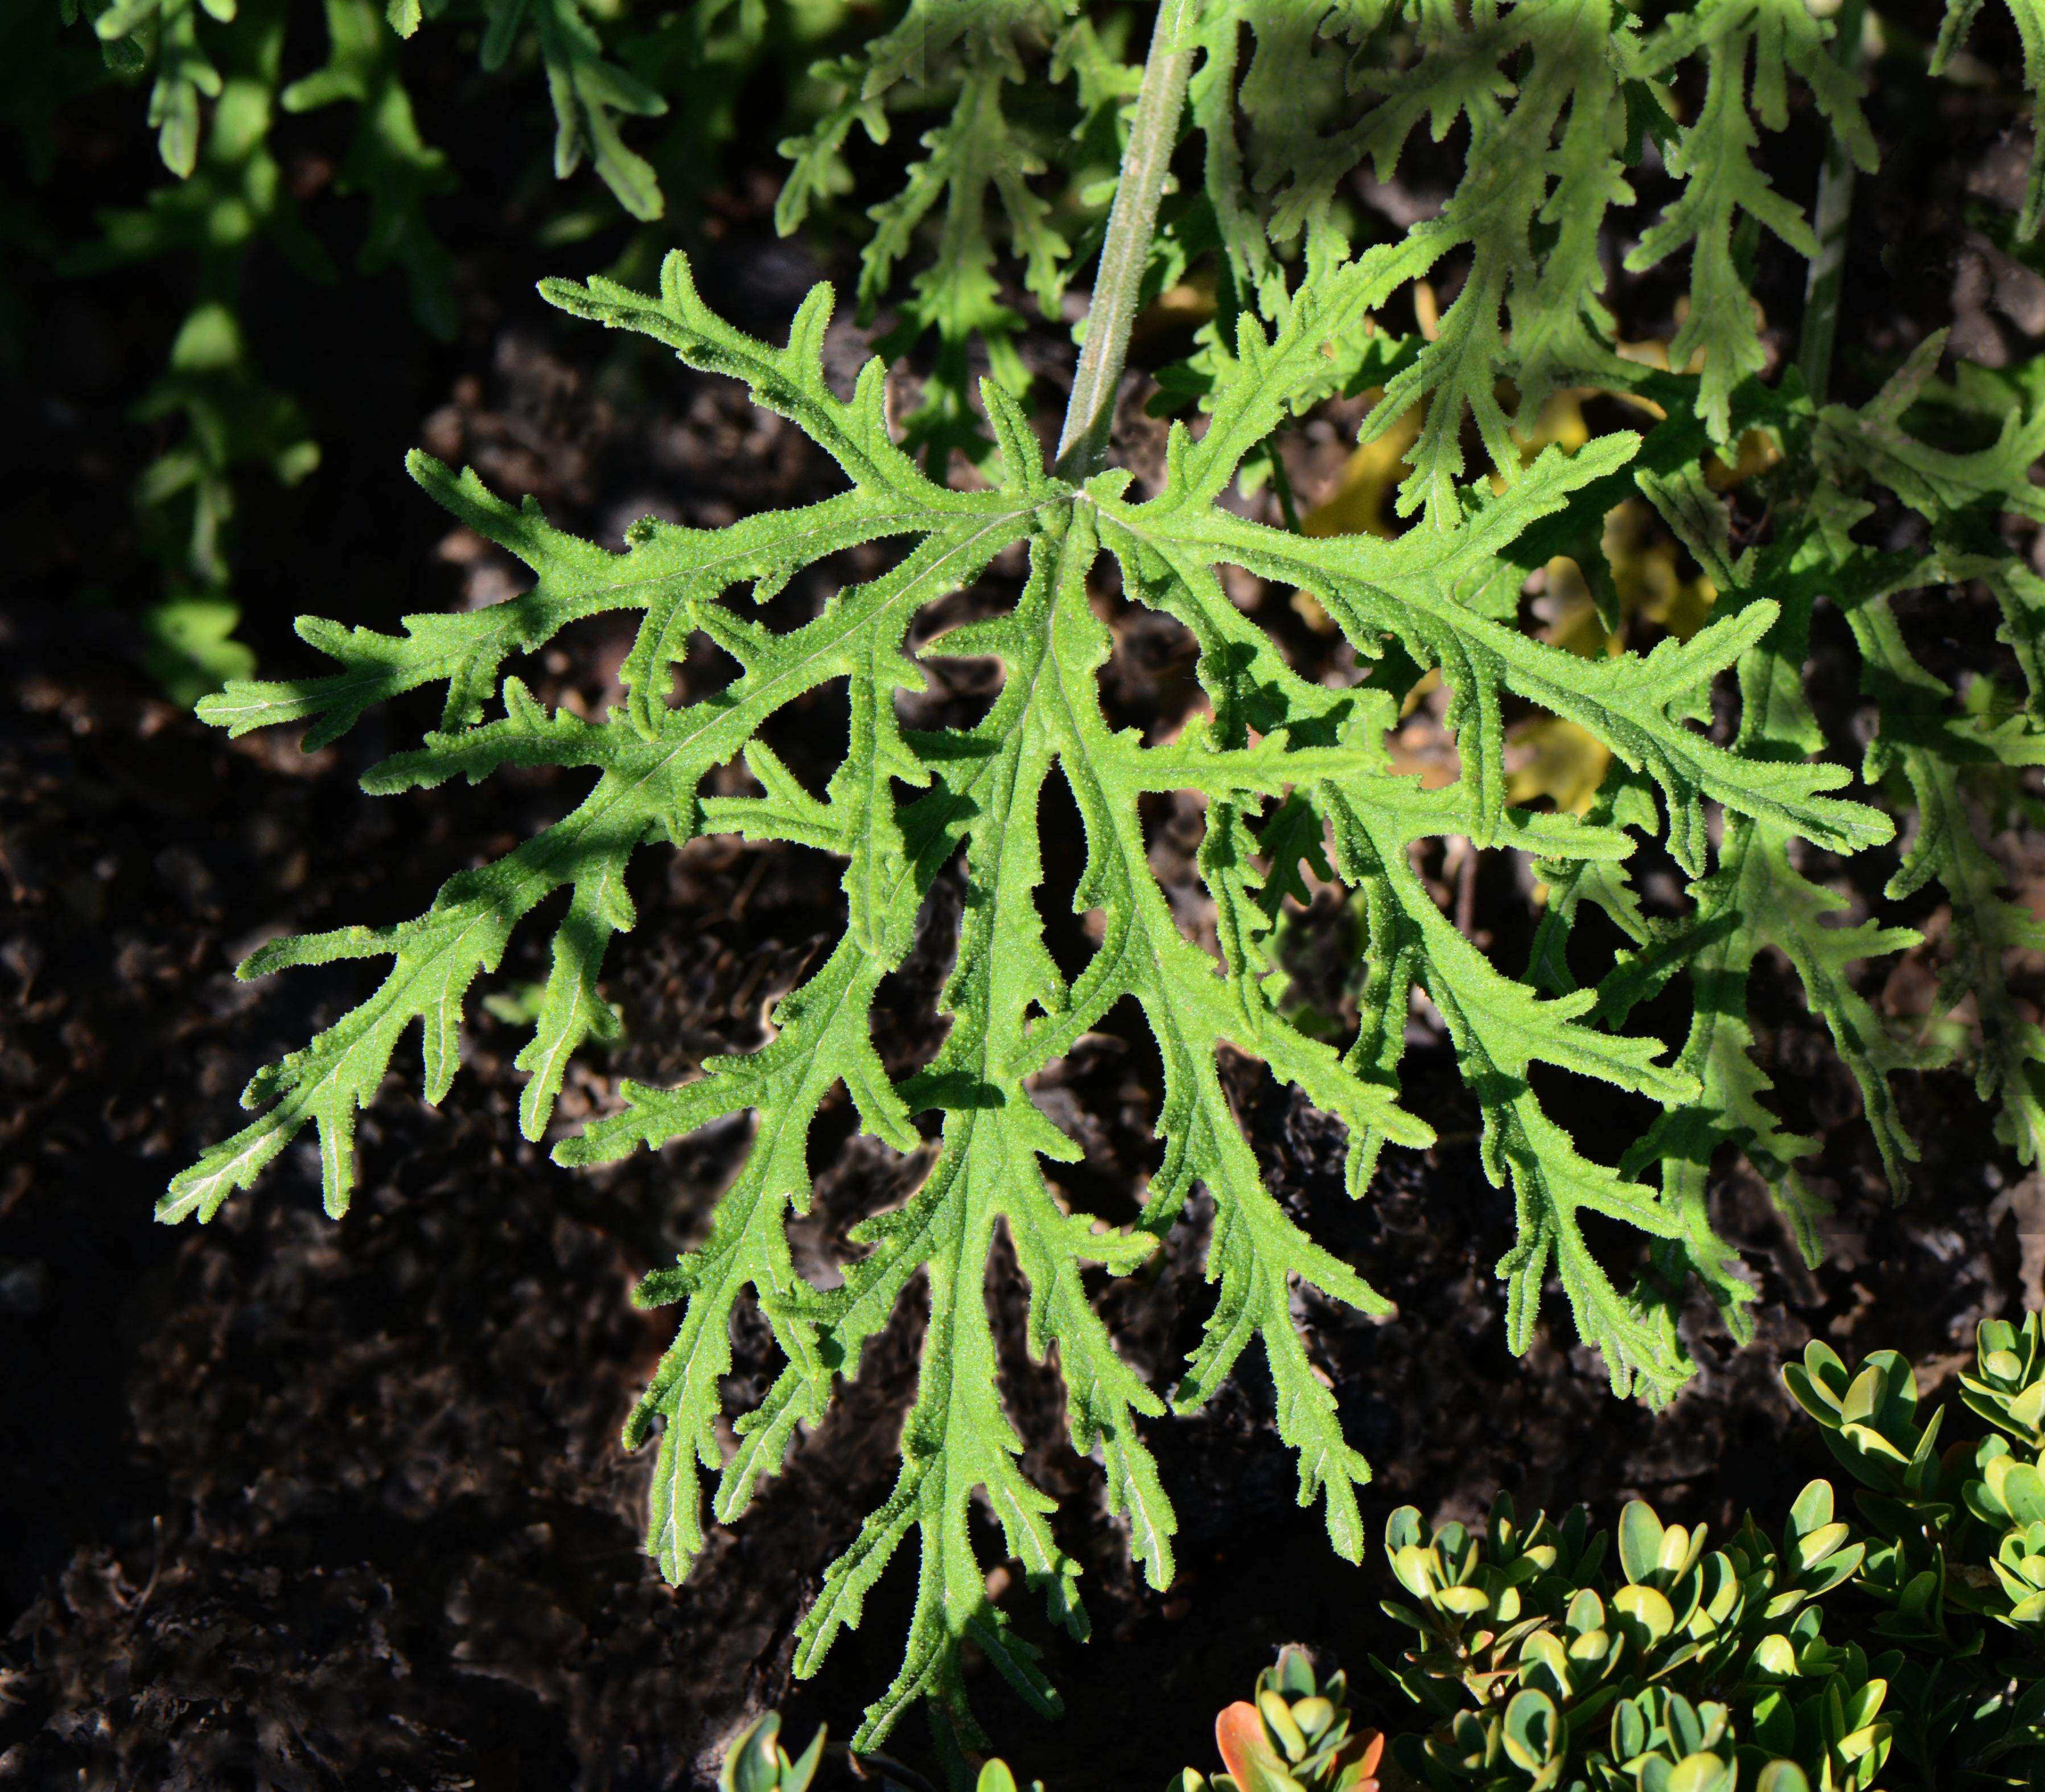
902, 805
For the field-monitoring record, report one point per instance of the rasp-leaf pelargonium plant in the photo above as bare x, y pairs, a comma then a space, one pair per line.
1296, 776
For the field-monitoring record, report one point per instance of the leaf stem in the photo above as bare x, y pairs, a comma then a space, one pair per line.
1281, 484
1132, 221
1834, 210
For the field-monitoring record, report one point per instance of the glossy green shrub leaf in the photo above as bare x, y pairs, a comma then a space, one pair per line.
756, 1761
1592, 1683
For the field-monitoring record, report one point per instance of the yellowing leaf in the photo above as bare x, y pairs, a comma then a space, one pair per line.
1644, 571
1362, 500
1548, 756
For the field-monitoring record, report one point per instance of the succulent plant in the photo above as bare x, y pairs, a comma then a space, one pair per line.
1964, 1527
757, 1762
1956, 1560
1294, 1736
1686, 1670
1548, 1657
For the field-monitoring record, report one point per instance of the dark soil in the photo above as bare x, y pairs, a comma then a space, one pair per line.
292, 1503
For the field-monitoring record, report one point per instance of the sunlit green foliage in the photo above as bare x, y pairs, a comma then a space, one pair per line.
1544, 1656
1294, 1735
1821, 1657
1277, 745
1556, 105
1956, 1548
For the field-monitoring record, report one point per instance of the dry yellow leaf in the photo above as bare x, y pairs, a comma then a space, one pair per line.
1550, 756
1361, 504
1650, 584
